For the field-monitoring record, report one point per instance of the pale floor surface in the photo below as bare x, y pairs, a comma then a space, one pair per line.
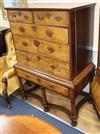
87, 121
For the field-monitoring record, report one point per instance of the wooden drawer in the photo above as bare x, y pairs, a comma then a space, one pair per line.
26, 44
47, 65
45, 83
54, 50
53, 34
20, 16
56, 18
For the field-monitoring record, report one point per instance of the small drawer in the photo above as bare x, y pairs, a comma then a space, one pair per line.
55, 18
53, 34
20, 16
45, 83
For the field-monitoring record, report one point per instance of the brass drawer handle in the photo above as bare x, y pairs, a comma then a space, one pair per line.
21, 29
40, 17
58, 18
39, 58
53, 67
51, 50
49, 33
48, 14
14, 16
27, 59
34, 28
26, 17
25, 44
19, 13
36, 43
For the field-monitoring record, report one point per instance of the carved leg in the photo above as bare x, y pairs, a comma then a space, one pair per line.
24, 97
44, 99
6, 98
73, 113
5, 93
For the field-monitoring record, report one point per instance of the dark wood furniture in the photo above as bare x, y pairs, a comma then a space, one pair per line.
52, 48
2, 40
26, 125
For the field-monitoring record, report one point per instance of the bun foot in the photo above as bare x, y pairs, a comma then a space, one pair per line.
74, 123
24, 98
46, 109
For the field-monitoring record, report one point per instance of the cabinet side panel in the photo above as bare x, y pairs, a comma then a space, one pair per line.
84, 31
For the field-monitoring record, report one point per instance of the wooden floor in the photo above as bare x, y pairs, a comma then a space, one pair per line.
87, 120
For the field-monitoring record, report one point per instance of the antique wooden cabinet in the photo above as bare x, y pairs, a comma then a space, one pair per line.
52, 48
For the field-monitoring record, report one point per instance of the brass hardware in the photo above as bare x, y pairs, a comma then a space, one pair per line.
19, 13
27, 59
49, 33
21, 29
26, 17
51, 50
40, 17
34, 28
53, 67
48, 15
25, 44
36, 43
14, 15
39, 58
58, 18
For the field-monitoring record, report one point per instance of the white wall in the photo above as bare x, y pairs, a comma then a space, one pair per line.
3, 22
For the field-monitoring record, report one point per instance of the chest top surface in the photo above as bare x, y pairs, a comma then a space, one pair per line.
49, 5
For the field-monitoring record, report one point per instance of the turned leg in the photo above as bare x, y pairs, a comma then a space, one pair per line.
5, 93
24, 97
73, 113
73, 109
44, 99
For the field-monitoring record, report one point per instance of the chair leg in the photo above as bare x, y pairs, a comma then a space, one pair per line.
44, 99
6, 98
5, 94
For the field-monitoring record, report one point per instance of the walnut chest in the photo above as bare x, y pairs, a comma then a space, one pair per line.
52, 47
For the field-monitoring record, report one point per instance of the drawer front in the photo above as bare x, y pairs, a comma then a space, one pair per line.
54, 34
26, 44
20, 16
47, 84
34, 61
54, 50
56, 18
47, 65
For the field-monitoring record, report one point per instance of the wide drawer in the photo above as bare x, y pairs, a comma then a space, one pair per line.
20, 16
56, 18
45, 83
47, 65
54, 50
48, 33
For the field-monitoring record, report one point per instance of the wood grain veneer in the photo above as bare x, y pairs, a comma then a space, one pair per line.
52, 48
